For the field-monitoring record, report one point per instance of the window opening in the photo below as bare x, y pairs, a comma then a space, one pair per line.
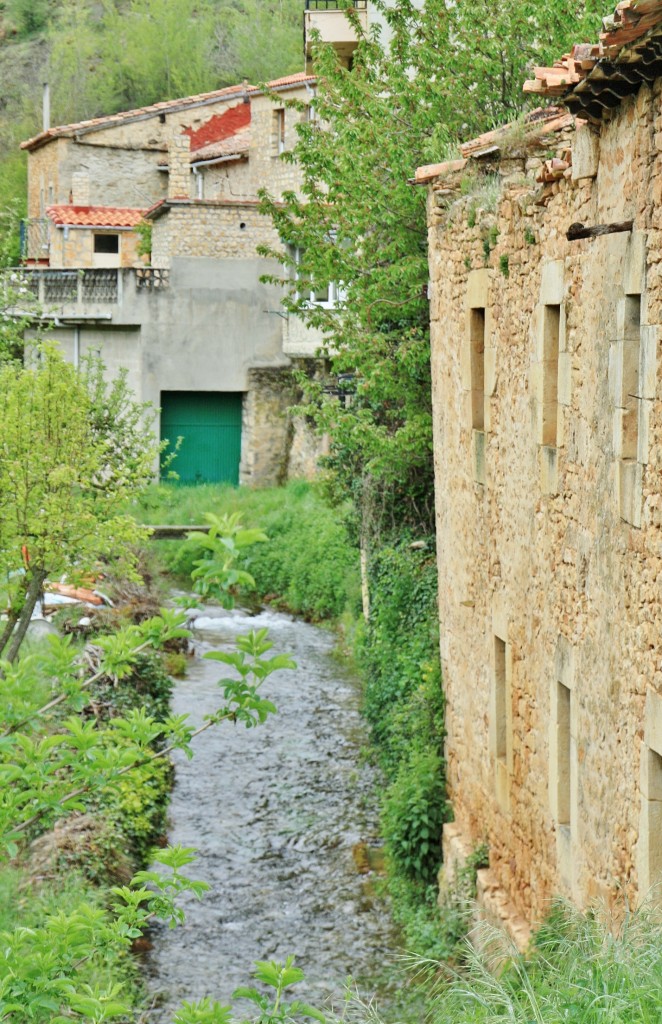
107, 243
653, 809
563, 730
551, 334
477, 340
279, 130
631, 390
500, 703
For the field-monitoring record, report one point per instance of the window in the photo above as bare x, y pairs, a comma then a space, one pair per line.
323, 294
477, 341
652, 807
550, 368
631, 393
628, 408
562, 773
501, 724
279, 131
500, 731
107, 244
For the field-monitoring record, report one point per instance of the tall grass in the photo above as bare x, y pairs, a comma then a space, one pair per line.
309, 565
583, 969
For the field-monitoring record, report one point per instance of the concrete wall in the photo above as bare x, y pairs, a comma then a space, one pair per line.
215, 326
549, 519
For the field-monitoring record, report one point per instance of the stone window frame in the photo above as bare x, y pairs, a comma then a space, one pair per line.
477, 386
633, 373
649, 843
278, 131
501, 718
563, 760
551, 372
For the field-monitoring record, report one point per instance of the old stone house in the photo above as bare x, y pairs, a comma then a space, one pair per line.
199, 334
545, 244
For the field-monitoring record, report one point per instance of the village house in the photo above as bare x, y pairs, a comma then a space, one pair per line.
545, 243
141, 243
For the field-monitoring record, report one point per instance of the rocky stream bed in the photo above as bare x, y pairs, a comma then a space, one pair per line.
284, 818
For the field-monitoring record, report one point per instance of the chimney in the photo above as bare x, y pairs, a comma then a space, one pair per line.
179, 167
46, 107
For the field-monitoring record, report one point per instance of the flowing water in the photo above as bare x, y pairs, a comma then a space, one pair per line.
283, 817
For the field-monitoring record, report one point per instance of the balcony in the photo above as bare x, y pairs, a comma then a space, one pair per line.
70, 294
329, 19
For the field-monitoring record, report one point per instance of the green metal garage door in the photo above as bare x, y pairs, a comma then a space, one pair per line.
210, 424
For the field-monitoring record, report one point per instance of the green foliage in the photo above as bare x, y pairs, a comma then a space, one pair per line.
529, 237
309, 564
413, 814
358, 222
29, 16
144, 232
72, 451
399, 653
504, 265
583, 968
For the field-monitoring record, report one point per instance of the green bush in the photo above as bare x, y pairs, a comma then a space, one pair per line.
414, 811
309, 565
399, 655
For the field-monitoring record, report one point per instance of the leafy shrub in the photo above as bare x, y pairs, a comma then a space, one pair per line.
399, 652
413, 814
309, 565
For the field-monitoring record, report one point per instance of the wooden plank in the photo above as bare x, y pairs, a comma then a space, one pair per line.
174, 532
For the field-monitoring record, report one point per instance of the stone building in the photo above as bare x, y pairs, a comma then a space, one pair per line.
199, 334
545, 244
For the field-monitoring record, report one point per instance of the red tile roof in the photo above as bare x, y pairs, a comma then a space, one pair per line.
298, 79
536, 126
237, 146
168, 106
594, 77
95, 216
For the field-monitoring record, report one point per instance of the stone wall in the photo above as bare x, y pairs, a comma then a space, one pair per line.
75, 248
214, 229
276, 444
548, 461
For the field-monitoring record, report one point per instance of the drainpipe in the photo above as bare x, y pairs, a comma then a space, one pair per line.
76, 346
198, 182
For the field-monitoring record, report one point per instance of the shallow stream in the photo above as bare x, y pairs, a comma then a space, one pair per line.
284, 817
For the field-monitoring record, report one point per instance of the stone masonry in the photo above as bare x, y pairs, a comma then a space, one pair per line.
548, 461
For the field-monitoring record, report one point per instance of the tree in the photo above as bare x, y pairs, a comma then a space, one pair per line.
449, 70
72, 451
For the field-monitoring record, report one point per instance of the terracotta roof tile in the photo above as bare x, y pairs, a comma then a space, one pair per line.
537, 125
95, 216
125, 116
237, 146
426, 174
168, 106
541, 121
595, 77
297, 79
